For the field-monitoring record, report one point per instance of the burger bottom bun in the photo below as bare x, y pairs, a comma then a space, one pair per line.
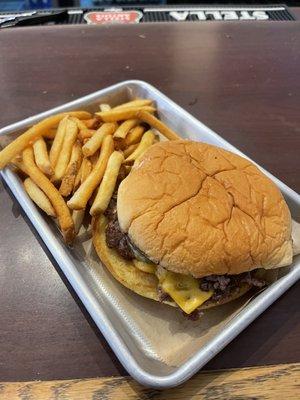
140, 282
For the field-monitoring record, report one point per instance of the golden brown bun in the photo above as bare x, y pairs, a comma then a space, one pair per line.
197, 209
138, 281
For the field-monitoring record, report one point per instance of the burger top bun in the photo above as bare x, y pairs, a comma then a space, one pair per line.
197, 209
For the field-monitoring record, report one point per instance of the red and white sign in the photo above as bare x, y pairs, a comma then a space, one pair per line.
113, 17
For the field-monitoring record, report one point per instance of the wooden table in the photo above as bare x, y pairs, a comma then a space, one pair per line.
242, 80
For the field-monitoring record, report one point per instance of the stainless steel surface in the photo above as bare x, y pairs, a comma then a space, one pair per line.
136, 356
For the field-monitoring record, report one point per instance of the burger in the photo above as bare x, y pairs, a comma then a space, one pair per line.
193, 226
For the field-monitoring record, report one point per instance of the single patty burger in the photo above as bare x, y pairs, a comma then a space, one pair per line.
194, 226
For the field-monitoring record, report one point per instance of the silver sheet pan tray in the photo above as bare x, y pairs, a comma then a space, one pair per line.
123, 317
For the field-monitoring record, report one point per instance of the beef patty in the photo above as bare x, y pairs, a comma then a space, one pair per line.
224, 285
115, 238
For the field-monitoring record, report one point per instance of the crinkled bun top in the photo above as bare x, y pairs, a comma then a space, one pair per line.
197, 209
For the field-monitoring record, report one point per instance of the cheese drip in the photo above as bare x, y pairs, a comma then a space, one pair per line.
183, 289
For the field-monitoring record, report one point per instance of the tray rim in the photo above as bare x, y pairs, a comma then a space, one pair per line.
57, 248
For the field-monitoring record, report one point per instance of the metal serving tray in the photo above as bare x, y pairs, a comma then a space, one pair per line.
101, 296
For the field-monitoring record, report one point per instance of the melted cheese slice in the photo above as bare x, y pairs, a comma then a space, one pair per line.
183, 289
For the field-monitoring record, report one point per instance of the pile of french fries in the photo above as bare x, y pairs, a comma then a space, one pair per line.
70, 162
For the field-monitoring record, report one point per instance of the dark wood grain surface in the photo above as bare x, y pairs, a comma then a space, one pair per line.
242, 80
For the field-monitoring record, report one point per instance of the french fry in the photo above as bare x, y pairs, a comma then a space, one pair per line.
81, 125
18, 157
86, 134
129, 150
68, 180
108, 183
94, 143
85, 190
135, 103
87, 167
104, 107
41, 156
67, 183
57, 142
39, 197
28, 137
78, 216
123, 113
135, 135
78, 178
62, 211
18, 163
147, 141
66, 150
124, 128
157, 124
92, 123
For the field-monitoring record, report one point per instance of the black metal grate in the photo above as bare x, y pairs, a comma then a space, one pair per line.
274, 12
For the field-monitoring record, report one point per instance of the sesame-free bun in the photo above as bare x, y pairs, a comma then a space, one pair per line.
197, 209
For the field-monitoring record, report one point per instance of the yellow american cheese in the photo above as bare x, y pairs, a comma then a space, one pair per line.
183, 289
